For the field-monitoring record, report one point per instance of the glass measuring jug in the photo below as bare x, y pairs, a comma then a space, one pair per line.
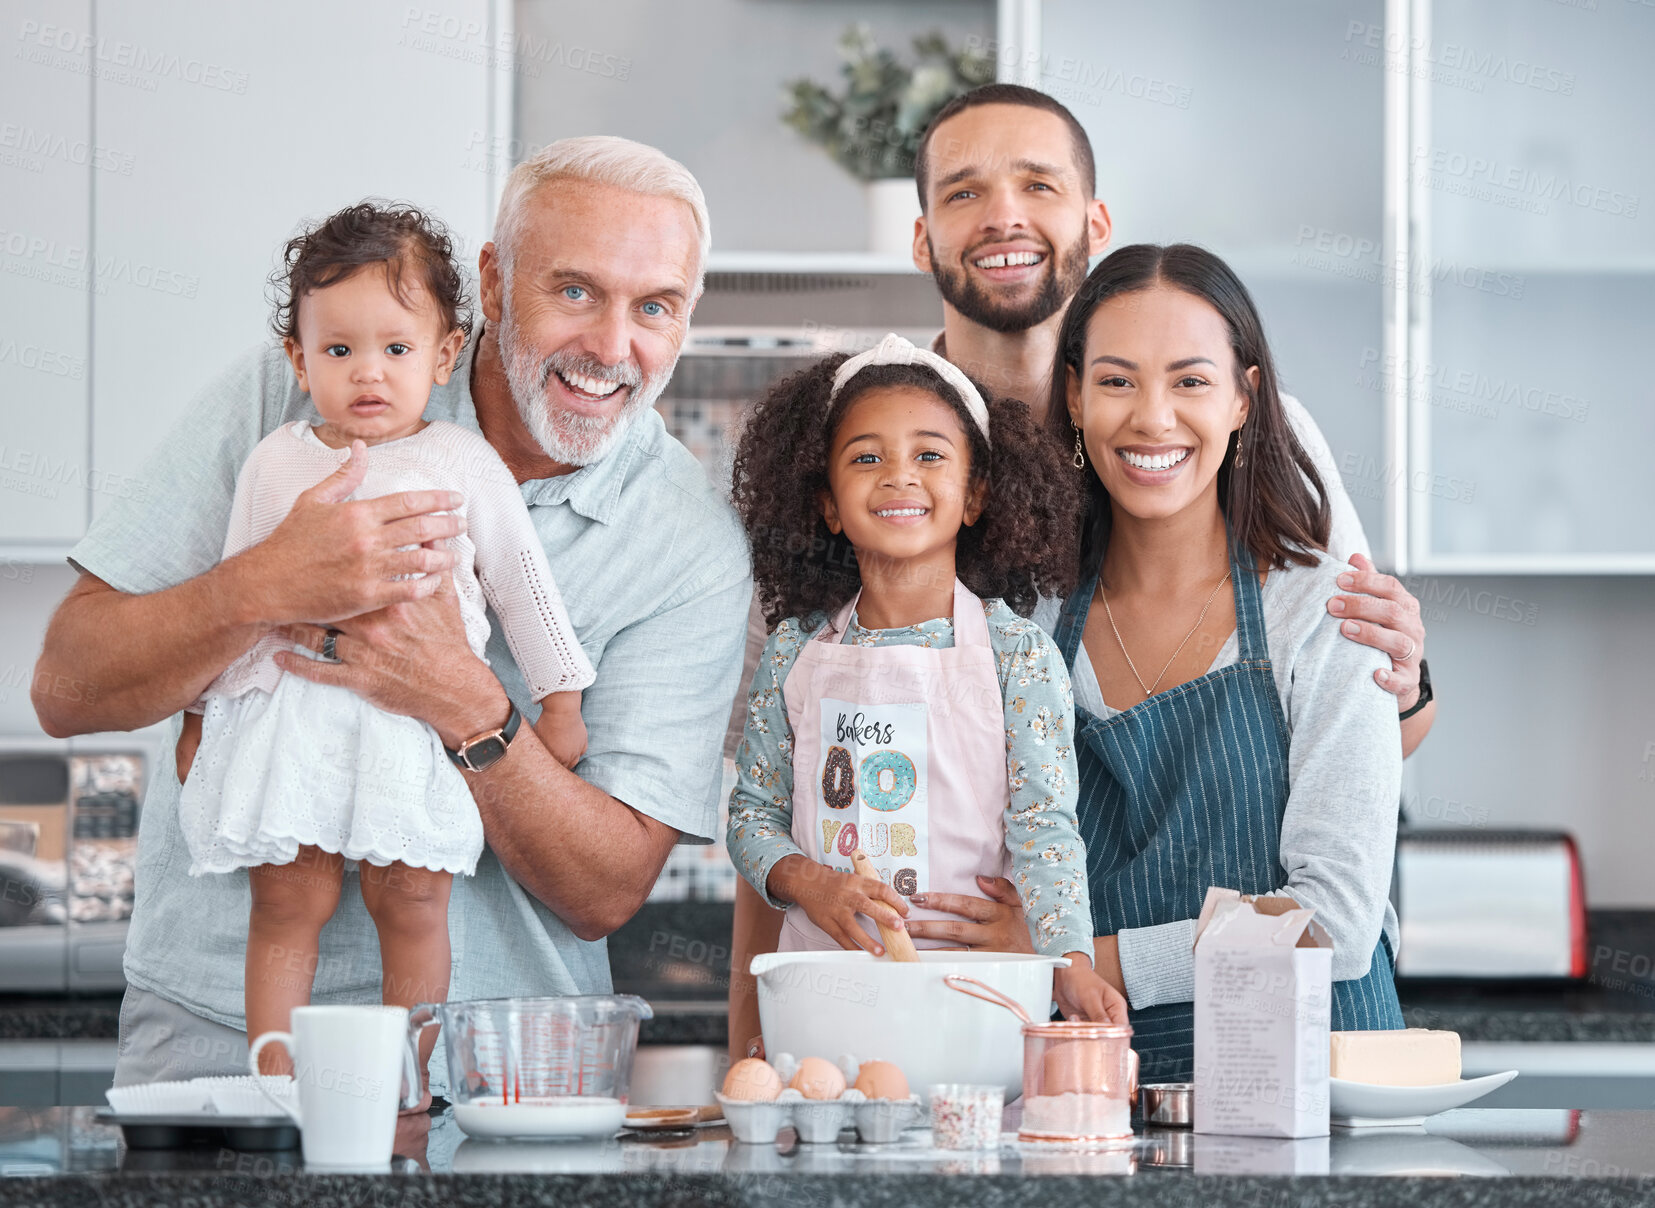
538, 1067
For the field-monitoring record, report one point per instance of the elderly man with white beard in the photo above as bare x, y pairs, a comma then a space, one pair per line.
598, 258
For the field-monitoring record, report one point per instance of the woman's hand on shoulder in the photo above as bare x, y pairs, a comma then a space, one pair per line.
1385, 615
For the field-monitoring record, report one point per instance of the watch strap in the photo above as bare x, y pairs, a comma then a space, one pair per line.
1426, 695
507, 732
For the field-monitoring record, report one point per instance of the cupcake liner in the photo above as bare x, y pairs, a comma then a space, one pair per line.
241, 1096
159, 1099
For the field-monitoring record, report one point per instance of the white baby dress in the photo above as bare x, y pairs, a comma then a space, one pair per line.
286, 762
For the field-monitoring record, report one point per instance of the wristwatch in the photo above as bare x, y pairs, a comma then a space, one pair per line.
1425, 694
488, 748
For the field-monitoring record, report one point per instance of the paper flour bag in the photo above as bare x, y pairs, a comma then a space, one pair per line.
1263, 1003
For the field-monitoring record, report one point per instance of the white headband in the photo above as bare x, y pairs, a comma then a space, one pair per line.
894, 350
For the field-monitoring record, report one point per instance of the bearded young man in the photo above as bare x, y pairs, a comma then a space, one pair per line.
598, 257
1010, 218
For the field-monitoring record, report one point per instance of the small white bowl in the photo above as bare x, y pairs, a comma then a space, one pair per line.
755, 1122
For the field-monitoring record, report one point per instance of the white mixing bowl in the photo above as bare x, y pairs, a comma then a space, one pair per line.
829, 1004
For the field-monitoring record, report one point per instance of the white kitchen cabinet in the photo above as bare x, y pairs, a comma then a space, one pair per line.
50, 163
242, 123
1534, 271
1443, 210
1241, 128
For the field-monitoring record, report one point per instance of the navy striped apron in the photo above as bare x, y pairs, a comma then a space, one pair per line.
1187, 789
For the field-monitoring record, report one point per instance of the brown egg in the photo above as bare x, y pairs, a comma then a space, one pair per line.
881, 1080
1077, 1066
753, 1081
818, 1079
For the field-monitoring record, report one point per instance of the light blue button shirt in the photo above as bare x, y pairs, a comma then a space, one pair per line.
653, 568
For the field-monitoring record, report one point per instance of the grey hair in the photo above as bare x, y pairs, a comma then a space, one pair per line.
603, 159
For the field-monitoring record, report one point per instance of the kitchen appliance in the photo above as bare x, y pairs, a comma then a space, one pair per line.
1079, 1078
834, 1004
69, 811
723, 370
1490, 904
537, 1067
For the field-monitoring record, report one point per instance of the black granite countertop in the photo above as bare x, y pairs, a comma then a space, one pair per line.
1465, 1158
676, 955
48, 1017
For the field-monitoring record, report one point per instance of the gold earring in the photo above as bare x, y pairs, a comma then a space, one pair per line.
1080, 450
1239, 458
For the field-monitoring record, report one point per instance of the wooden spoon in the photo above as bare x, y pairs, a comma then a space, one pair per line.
899, 945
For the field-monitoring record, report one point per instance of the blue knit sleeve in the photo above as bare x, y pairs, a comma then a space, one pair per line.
761, 804
1048, 858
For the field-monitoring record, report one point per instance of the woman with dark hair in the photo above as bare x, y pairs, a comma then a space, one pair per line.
1226, 733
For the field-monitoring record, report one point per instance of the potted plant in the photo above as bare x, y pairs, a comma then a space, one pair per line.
874, 126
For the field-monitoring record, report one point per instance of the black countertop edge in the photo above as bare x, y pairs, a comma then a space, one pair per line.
894, 1189
706, 1024
676, 955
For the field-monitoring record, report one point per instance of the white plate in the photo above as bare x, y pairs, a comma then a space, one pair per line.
575, 1116
1365, 1105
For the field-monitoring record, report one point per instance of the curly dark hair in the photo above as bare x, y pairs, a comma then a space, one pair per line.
1023, 546
371, 232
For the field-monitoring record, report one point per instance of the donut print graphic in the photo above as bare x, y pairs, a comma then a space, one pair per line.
873, 787
888, 780
838, 779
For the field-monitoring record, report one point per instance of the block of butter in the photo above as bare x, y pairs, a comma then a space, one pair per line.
1405, 1057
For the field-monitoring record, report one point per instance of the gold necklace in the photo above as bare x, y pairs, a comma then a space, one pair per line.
1149, 689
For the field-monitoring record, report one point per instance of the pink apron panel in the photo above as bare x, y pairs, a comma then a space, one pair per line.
899, 750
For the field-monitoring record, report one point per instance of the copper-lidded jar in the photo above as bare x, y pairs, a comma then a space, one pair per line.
1079, 1081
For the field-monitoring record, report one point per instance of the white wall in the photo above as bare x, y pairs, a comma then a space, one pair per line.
1550, 724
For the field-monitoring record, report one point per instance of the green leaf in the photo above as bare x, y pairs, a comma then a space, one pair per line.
872, 128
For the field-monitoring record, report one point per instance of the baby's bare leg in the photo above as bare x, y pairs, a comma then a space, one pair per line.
291, 903
409, 906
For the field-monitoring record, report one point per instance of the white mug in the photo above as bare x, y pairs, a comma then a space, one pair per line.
349, 1064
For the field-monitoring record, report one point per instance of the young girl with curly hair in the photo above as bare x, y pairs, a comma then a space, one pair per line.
897, 517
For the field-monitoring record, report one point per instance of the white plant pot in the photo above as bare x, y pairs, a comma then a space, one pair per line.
892, 207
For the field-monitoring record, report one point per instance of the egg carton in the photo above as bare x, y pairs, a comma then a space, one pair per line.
819, 1121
